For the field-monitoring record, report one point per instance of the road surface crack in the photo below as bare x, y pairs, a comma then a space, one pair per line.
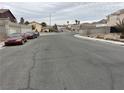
109, 71
29, 72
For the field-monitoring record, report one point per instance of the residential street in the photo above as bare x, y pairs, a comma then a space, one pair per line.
64, 62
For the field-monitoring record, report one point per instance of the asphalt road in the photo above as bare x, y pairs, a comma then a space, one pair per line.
63, 62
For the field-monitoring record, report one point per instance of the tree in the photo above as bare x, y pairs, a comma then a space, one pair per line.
26, 22
43, 24
68, 22
120, 27
55, 28
21, 20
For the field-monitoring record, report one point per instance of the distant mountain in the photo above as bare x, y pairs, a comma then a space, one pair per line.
103, 21
121, 11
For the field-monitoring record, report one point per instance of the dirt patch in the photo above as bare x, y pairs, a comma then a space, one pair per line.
109, 36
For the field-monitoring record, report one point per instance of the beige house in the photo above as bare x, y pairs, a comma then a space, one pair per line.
114, 18
37, 26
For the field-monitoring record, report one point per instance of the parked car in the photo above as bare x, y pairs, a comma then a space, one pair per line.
15, 39
30, 35
37, 33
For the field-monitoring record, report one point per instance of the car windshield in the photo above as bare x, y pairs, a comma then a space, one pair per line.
30, 32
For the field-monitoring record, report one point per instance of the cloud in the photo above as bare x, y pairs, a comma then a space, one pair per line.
62, 11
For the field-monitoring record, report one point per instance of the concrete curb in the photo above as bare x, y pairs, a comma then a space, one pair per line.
95, 39
1, 45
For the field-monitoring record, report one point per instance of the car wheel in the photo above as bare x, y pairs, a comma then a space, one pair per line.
6, 44
32, 37
25, 40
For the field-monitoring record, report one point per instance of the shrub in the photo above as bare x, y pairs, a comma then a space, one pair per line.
120, 27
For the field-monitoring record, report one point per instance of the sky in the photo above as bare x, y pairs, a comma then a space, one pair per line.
61, 12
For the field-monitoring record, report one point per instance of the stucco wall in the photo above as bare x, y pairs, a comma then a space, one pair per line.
7, 27
18, 28
2, 31
2, 28
96, 30
25, 28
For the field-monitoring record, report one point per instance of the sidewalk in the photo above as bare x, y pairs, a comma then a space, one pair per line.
1, 45
102, 40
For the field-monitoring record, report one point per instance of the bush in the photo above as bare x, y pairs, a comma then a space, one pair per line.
100, 36
120, 28
51, 30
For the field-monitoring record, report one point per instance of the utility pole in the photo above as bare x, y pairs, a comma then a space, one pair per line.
50, 19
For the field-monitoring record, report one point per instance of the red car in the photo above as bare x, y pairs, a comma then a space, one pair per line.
29, 35
15, 38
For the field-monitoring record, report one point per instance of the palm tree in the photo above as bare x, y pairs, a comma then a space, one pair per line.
76, 21
55, 28
21, 20
68, 22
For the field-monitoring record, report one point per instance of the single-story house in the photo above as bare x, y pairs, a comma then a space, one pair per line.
114, 18
6, 13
